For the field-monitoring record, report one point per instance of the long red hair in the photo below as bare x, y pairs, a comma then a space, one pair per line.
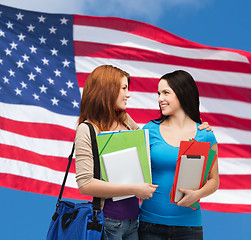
99, 97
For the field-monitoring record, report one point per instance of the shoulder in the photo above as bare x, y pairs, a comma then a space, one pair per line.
83, 128
84, 131
151, 125
131, 123
206, 136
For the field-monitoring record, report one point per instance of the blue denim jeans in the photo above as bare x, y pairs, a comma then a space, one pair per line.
152, 231
120, 229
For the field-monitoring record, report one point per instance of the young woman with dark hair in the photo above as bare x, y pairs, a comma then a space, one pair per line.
179, 121
103, 104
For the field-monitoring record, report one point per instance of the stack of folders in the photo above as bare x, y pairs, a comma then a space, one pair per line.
125, 157
194, 164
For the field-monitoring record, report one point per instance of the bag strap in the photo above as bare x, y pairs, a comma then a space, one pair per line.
96, 201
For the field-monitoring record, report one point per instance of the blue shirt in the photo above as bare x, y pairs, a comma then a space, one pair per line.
158, 209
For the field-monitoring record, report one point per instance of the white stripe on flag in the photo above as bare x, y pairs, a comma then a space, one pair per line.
223, 106
233, 166
37, 172
156, 70
143, 100
41, 146
229, 197
125, 39
25, 113
232, 136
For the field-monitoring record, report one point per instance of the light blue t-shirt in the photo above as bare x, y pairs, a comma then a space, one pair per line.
158, 209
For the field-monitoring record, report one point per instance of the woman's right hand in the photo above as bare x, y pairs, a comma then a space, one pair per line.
145, 190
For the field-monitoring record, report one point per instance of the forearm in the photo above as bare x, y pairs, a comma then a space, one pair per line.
209, 188
213, 182
99, 188
192, 196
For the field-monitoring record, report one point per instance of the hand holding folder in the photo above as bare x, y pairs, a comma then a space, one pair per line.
124, 157
192, 149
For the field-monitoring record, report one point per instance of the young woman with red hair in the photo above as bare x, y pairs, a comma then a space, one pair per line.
103, 104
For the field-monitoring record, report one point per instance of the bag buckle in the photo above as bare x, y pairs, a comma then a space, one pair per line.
95, 224
95, 215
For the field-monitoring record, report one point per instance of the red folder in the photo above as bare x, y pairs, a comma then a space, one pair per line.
194, 148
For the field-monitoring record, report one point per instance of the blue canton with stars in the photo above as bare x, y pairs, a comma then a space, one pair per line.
37, 60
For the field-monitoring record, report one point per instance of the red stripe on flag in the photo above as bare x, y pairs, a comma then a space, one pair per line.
234, 150
147, 31
52, 162
219, 91
37, 186
81, 78
139, 84
220, 207
37, 130
135, 27
100, 50
211, 90
223, 120
143, 116
239, 181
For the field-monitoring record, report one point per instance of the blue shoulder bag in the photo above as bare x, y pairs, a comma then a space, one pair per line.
78, 221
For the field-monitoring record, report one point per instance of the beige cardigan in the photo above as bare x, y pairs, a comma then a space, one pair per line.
83, 152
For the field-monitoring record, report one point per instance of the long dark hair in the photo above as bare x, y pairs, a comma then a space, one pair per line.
184, 86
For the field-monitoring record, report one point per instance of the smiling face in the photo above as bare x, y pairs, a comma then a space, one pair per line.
168, 101
123, 95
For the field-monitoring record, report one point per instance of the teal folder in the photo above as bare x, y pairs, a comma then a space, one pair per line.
210, 163
109, 142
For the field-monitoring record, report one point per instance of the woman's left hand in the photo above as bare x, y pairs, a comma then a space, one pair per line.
206, 126
190, 196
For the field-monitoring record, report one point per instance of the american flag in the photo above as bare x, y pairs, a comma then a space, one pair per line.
44, 61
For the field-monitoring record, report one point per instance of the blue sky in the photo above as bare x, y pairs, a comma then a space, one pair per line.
210, 22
